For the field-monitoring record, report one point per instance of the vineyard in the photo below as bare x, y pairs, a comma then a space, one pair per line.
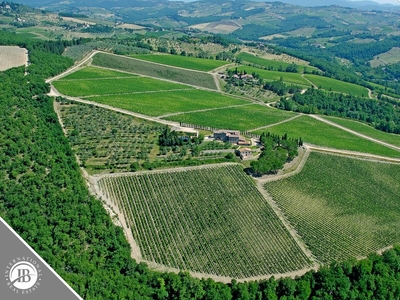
271, 64
167, 102
193, 63
240, 118
210, 220
356, 215
287, 77
142, 67
111, 86
91, 72
335, 85
367, 130
319, 133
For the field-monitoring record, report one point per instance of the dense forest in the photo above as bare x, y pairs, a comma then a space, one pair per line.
382, 115
43, 196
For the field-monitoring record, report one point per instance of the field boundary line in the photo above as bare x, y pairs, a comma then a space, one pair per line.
224, 279
93, 185
308, 80
169, 170
203, 110
73, 68
319, 118
102, 78
162, 79
136, 93
155, 63
278, 123
354, 154
292, 230
55, 93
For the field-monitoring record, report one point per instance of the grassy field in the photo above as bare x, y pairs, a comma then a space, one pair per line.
95, 73
390, 57
289, 78
334, 85
318, 133
192, 63
390, 138
160, 103
112, 86
275, 65
227, 229
239, 118
358, 214
122, 63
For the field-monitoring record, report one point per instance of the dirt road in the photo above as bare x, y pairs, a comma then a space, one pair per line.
355, 132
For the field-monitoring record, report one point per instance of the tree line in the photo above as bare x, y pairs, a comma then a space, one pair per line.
382, 115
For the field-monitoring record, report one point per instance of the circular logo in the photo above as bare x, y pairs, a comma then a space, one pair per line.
23, 275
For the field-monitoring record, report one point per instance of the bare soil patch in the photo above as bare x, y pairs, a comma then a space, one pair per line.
12, 56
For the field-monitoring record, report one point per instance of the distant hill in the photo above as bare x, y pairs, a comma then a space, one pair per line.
367, 5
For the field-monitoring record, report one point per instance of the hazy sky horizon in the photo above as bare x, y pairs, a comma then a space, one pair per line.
395, 2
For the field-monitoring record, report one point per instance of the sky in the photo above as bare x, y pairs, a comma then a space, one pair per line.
395, 2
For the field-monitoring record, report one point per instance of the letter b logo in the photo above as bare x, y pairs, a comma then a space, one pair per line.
23, 275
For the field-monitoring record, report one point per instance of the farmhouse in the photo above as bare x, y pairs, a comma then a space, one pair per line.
245, 153
232, 136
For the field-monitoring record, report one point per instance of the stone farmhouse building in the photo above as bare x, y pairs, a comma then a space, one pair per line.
231, 136
245, 153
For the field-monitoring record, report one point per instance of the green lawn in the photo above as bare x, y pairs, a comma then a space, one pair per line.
321, 134
239, 118
94, 73
112, 86
160, 103
330, 84
356, 215
289, 78
275, 65
390, 138
192, 63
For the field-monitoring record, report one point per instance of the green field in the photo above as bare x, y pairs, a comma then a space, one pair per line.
95, 73
137, 66
193, 63
266, 63
356, 215
210, 220
112, 86
318, 133
160, 103
239, 118
289, 78
390, 138
334, 85
390, 57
